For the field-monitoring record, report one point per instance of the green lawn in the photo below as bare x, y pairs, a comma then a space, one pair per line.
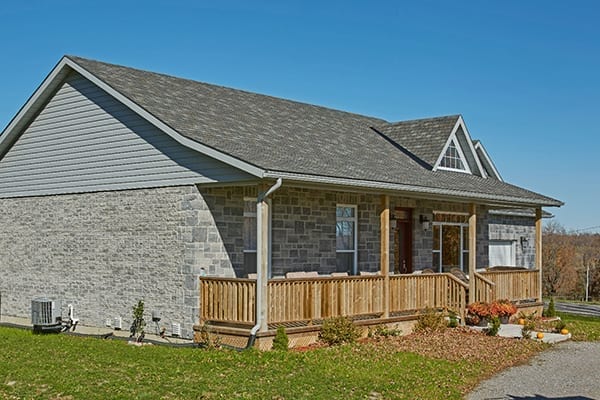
61, 366
582, 328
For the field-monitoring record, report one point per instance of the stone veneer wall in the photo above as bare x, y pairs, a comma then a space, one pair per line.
102, 252
512, 227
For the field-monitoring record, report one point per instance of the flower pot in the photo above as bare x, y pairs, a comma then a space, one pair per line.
504, 319
483, 321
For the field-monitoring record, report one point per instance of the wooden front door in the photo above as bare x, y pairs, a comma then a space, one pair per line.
403, 241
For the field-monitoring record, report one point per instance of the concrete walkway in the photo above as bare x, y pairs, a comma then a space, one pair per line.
567, 371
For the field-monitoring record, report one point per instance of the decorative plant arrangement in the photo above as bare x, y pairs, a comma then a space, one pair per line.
480, 312
503, 309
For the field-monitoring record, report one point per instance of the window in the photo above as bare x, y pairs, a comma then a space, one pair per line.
450, 242
452, 158
249, 235
502, 253
345, 234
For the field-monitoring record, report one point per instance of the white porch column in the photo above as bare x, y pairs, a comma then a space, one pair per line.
263, 254
384, 252
538, 247
472, 250
262, 262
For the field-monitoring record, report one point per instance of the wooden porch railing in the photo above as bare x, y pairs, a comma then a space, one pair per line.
417, 292
516, 286
231, 300
310, 299
485, 290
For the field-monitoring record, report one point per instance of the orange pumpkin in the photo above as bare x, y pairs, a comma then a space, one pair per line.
521, 321
564, 331
540, 335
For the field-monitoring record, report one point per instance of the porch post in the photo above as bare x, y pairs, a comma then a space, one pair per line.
384, 253
538, 247
472, 250
262, 262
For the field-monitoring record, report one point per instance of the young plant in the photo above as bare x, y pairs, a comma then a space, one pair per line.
208, 337
281, 341
338, 330
382, 331
494, 326
430, 321
138, 325
550, 311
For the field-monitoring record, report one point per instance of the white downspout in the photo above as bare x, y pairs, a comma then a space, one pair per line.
262, 265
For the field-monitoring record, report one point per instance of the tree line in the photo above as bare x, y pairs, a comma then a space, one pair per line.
571, 262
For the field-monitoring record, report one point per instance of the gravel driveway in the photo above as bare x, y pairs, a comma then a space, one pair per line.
567, 371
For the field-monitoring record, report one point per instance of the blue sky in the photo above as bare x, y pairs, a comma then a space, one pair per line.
524, 75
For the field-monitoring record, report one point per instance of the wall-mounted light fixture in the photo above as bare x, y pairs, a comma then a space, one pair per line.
424, 222
524, 241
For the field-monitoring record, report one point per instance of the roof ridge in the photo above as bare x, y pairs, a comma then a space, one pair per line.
306, 104
396, 123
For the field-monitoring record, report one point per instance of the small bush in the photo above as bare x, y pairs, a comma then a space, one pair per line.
209, 338
528, 328
430, 320
281, 341
494, 327
338, 330
560, 325
452, 319
138, 325
382, 331
550, 311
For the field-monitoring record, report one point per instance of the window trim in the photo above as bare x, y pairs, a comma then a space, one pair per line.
249, 214
354, 220
463, 252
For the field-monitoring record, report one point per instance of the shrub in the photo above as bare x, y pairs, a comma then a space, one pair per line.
528, 328
452, 319
550, 311
281, 341
382, 331
494, 326
138, 325
559, 326
208, 337
430, 320
338, 330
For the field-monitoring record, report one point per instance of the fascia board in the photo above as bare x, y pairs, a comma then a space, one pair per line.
415, 191
33, 104
461, 123
480, 146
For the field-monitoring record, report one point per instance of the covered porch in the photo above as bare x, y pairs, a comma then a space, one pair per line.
300, 302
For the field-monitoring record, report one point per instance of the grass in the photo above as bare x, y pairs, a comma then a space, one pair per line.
582, 328
69, 367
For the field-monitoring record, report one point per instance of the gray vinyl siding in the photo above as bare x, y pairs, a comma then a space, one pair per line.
464, 144
84, 140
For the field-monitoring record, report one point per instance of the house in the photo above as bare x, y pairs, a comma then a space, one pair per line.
118, 184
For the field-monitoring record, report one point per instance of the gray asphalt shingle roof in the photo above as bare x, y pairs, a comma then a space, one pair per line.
287, 136
425, 138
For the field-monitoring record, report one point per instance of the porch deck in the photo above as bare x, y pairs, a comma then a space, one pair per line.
308, 301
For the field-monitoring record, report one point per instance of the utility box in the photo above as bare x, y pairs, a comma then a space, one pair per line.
45, 315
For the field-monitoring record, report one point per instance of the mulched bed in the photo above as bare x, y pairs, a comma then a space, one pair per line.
462, 343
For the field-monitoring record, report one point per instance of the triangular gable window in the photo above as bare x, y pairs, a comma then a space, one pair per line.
452, 158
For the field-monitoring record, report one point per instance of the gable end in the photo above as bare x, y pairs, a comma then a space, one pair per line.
84, 140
